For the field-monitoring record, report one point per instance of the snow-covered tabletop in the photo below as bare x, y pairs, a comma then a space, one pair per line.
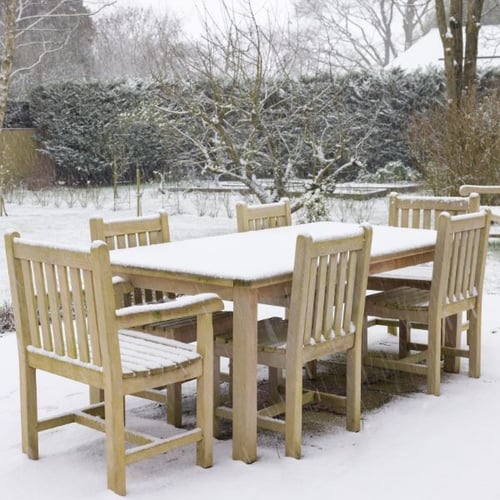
261, 255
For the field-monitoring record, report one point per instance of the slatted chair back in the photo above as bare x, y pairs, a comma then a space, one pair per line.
422, 212
459, 262
56, 300
328, 290
268, 215
133, 232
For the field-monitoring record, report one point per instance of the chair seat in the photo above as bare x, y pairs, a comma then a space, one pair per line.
184, 329
418, 276
145, 354
407, 298
271, 336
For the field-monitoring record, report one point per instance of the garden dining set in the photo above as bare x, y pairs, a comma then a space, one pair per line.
138, 314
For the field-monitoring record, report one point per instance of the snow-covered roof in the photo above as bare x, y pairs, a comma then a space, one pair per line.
428, 51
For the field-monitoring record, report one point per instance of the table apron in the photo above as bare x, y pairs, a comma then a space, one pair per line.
277, 294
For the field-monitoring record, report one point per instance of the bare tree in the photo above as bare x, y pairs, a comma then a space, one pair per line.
37, 29
354, 33
460, 46
238, 104
135, 43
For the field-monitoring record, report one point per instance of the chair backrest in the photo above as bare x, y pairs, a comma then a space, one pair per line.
422, 212
490, 194
132, 232
459, 259
63, 304
328, 291
466, 189
268, 215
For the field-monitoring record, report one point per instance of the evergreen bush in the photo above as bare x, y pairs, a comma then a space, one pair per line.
85, 127
91, 129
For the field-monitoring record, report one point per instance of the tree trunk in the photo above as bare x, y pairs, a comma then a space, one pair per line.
460, 66
8, 56
474, 11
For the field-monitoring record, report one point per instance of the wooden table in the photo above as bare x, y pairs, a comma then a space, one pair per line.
250, 268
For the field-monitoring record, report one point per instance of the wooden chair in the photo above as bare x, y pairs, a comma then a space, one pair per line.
67, 324
268, 215
488, 191
419, 212
325, 317
141, 231
456, 286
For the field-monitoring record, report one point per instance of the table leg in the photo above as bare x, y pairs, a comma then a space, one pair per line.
245, 374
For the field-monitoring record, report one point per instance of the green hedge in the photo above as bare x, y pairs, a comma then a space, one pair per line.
89, 127
86, 128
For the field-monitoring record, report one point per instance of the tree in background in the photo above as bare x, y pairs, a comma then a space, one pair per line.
350, 34
135, 43
460, 46
236, 100
34, 31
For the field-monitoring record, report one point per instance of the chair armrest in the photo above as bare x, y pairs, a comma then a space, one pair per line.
185, 305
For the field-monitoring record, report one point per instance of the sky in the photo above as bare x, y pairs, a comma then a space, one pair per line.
415, 446
191, 11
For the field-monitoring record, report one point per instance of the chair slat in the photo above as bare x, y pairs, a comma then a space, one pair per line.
55, 309
310, 285
67, 312
31, 303
80, 315
320, 288
473, 278
92, 329
340, 293
42, 306
349, 301
330, 297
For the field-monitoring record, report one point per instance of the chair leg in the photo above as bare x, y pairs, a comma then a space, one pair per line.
434, 358
404, 338
452, 336
174, 404
115, 442
205, 391
475, 344
95, 395
29, 411
312, 369
275, 382
293, 413
353, 389
217, 397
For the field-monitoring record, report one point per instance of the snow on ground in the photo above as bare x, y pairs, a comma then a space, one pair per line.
412, 447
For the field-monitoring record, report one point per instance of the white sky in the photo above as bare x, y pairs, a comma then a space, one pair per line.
190, 11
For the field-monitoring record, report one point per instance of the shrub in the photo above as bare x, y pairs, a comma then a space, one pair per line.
458, 146
85, 127
6, 318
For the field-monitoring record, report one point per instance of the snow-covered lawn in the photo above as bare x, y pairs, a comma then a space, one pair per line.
415, 446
